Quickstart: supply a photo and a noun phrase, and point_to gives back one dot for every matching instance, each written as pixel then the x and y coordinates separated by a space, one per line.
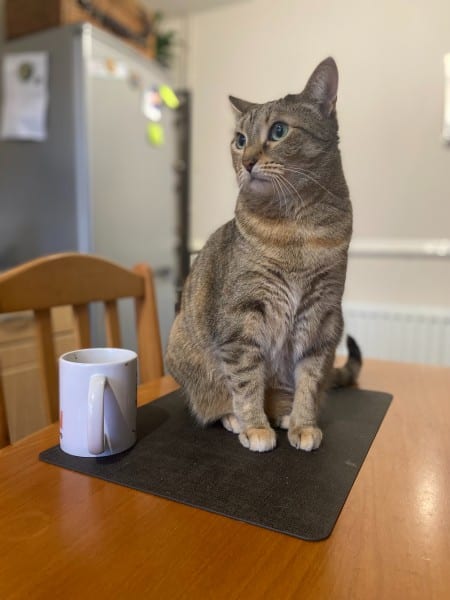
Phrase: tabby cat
pixel 260 318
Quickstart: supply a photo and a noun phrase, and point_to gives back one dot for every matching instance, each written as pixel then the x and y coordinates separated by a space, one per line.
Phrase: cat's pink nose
pixel 249 164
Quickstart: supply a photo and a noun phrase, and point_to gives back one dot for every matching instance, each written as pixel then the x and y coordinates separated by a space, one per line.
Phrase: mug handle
pixel 95 421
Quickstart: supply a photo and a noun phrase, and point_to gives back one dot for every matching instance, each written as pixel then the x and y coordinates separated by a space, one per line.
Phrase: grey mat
pixel 287 490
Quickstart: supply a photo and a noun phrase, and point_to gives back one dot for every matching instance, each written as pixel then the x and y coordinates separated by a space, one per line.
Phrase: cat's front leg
pixel 310 377
pixel 244 369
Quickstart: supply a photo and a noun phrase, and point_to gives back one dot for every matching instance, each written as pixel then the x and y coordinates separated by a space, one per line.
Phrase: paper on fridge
pixel 25 96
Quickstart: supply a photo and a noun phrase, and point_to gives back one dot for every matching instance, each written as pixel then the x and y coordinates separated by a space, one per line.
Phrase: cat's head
pixel 279 147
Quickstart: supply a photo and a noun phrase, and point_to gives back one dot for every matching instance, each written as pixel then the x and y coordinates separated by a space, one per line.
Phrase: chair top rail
pixel 37 284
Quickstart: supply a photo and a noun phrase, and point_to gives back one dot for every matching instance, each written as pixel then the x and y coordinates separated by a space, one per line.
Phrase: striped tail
pixel 348 374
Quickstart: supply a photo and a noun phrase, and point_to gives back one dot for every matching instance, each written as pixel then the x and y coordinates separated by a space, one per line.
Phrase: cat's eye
pixel 278 131
pixel 240 140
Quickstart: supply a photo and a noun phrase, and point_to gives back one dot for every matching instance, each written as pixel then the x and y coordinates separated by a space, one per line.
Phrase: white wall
pixel 390 107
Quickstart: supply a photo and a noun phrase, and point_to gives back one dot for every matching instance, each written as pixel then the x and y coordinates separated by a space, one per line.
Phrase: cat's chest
pixel 278 294
pixel 282 295
pixel 281 301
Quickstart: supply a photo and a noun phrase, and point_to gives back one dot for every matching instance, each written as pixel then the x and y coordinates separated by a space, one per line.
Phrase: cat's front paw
pixel 259 439
pixel 305 438
pixel 231 423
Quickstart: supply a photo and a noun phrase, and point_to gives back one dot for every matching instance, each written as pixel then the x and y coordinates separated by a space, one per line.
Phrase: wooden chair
pixel 78 279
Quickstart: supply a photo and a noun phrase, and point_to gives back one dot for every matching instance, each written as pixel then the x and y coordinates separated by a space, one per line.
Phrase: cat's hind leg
pixel 207 393
pixel 199 375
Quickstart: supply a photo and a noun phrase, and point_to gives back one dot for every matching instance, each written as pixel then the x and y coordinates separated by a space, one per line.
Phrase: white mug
pixel 97 401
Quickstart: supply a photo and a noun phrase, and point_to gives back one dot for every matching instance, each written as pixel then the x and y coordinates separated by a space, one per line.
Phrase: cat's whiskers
pixel 275 191
pixel 311 178
pixel 274 172
pixel 278 192
pixel 287 182
pixel 283 189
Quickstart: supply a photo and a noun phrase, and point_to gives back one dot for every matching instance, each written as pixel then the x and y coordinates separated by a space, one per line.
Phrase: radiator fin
pixel 400 333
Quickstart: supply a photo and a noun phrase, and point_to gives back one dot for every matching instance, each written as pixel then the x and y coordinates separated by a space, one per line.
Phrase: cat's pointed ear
pixel 240 106
pixel 322 86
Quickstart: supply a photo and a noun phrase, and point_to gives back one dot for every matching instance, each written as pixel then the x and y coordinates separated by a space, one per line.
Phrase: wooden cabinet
pixel 19 367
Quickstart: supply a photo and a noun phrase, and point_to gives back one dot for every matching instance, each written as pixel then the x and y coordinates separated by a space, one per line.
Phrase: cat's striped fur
pixel 260 319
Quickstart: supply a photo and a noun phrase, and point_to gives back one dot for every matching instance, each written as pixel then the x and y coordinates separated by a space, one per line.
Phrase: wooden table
pixel 65 535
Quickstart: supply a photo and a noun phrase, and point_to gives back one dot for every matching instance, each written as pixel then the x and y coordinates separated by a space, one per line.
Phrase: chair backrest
pixel 77 280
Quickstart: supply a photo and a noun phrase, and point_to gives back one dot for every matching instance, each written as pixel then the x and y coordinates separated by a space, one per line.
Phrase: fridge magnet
pixel 117 69
pixel 155 134
pixel 169 97
pixel 153 101
pixel 101 68
pixel 152 104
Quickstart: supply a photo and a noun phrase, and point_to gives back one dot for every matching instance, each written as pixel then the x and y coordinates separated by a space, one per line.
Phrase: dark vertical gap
pixel 182 168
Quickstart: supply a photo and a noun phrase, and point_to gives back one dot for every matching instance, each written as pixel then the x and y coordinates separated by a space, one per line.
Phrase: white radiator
pixel 401 333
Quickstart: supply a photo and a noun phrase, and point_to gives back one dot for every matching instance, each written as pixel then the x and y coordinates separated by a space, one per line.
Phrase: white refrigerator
pixel 97 183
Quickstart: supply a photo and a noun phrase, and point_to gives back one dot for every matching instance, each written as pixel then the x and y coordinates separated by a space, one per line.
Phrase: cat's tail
pixel 348 374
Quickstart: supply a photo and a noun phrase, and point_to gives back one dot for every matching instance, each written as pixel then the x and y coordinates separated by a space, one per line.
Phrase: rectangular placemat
pixel 287 490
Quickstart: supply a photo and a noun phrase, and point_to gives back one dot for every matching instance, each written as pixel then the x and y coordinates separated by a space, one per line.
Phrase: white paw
pixel 231 423
pixel 305 438
pixel 258 439
pixel 284 422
